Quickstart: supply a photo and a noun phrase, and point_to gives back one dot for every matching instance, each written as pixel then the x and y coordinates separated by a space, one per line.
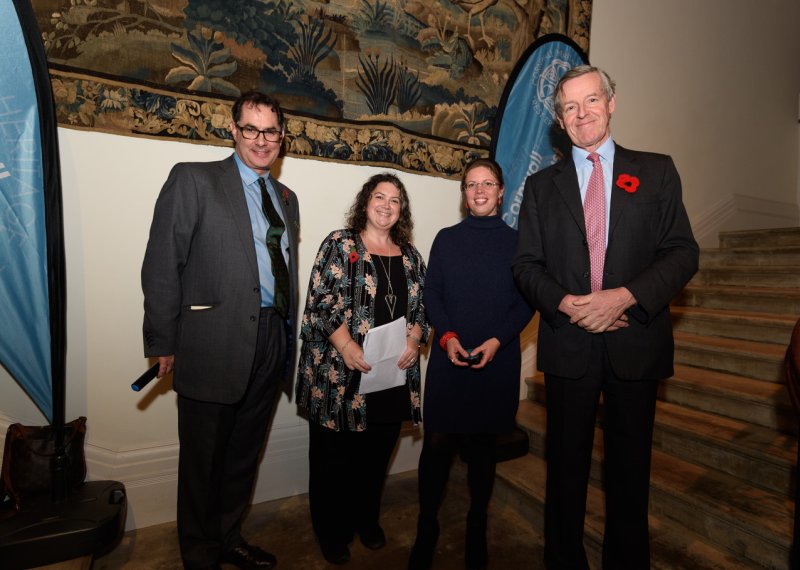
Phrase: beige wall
pixel 110 185
pixel 714 83
pixel 688 86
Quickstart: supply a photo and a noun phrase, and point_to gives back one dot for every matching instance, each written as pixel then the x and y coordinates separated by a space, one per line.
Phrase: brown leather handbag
pixel 27 454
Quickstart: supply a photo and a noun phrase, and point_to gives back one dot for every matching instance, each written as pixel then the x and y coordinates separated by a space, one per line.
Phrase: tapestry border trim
pixel 95 102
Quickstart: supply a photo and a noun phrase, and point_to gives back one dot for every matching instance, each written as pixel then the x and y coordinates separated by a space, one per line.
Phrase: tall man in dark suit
pixel 604 245
pixel 220 287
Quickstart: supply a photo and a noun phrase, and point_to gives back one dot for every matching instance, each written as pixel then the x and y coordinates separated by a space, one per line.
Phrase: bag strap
pixel 75 427
pixel 5 485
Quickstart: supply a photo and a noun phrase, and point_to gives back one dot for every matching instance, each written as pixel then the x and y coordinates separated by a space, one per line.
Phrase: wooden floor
pixel 283 527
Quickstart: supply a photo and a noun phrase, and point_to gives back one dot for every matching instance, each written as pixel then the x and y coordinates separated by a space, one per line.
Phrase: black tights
pixel 436 458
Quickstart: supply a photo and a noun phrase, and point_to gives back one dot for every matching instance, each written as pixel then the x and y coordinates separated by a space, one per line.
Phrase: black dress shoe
pixel 334 552
pixel 248 556
pixel 373 538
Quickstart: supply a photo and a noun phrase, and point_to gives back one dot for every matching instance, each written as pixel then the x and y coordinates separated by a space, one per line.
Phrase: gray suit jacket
pixel 200 280
pixel 651 251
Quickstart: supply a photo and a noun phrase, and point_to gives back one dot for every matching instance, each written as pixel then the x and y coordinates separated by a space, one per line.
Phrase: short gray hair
pixel 609 86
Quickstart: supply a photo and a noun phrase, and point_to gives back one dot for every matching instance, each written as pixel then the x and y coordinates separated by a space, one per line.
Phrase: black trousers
pixel 628 416
pixel 220 448
pixel 347 471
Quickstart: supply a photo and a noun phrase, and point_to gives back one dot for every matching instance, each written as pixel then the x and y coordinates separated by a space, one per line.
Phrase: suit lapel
pixel 567 183
pixel 624 163
pixel 231 184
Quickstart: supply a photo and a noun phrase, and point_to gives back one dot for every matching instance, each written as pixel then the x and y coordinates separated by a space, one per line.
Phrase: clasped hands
pixel 486 349
pixel 599 311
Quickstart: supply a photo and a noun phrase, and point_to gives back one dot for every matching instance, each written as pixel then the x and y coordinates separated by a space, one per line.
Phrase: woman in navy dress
pixel 477 312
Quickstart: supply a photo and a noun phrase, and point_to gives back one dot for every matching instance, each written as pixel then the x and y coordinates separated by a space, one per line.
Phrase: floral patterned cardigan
pixel 342 288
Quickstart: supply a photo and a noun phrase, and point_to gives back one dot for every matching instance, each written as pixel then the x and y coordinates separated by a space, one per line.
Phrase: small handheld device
pixel 470 359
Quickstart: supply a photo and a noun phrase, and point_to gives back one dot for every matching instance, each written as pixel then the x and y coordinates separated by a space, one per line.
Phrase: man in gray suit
pixel 220 288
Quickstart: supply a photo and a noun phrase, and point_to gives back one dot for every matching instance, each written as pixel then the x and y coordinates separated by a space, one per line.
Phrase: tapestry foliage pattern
pixel 411 84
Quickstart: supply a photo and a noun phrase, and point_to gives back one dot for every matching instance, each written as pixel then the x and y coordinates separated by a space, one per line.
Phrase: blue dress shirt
pixel 260 225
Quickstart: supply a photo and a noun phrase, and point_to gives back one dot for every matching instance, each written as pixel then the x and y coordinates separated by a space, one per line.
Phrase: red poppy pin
pixel 353 255
pixel 285 196
pixel 628 183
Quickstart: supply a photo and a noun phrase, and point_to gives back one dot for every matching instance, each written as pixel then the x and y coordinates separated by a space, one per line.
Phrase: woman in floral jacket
pixel 364 276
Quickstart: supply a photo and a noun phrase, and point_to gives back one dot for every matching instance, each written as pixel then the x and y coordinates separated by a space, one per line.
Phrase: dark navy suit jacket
pixel 651 251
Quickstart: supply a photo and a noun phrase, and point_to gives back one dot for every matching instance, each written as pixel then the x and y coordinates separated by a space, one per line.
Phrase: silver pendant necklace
pixel 390 297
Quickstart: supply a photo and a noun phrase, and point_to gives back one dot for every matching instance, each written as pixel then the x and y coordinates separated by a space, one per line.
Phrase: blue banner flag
pixel 524 139
pixel 25 349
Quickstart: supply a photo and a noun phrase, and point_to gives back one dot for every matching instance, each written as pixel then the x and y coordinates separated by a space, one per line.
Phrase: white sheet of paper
pixel 383 347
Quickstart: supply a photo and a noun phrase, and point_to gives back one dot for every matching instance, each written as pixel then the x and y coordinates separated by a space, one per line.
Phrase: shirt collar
pixel 248 175
pixel 605 150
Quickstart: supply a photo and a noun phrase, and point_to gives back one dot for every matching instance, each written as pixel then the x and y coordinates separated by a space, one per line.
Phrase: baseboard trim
pixel 150 474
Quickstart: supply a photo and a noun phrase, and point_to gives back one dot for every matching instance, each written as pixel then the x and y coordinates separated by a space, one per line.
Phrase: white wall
pixel 687 85
pixel 714 83
pixel 110 184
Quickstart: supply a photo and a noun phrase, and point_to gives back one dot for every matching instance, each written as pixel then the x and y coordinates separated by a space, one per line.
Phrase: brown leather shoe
pixel 249 556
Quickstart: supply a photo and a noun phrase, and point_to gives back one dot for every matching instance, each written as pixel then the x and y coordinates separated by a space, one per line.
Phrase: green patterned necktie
pixel 274 233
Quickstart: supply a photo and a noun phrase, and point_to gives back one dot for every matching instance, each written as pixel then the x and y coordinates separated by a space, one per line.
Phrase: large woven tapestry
pixel 411 84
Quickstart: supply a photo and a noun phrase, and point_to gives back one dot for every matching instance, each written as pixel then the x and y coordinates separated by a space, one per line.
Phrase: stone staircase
pixel 725 443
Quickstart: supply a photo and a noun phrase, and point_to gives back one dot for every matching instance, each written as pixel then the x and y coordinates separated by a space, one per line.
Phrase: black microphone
pixel 145 378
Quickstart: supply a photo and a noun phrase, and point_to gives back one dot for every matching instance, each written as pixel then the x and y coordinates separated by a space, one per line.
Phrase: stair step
pixel 525 478
pixel 742 449
pixel 535 389
pixel 772 237
pixel 522 481
pixel 746 521
pixel 762 327
pixel 784 301
pixel 757 360
pixel 751 256
pixel 745 276
pixel 749 452
pixel 766 404
pixel 749 523
pixel 532 417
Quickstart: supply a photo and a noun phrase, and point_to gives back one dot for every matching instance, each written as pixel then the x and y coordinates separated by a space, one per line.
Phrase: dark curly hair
pixel 257 98
pixel 357 216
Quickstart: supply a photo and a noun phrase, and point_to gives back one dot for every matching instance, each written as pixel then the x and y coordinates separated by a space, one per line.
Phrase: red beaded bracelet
pixel 445 337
